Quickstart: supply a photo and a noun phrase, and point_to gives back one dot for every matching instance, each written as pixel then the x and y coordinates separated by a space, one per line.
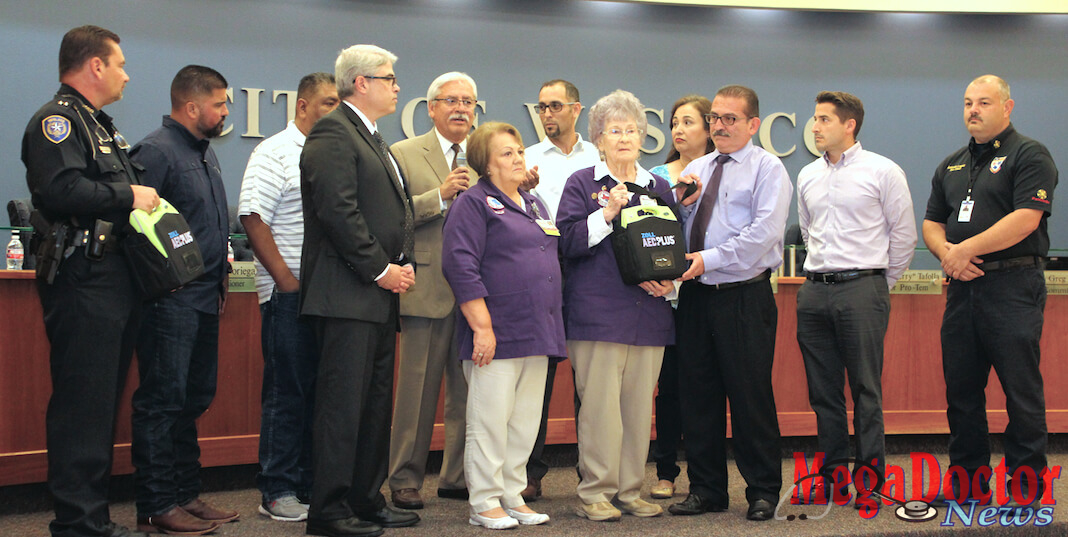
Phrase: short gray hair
pixel 452 76
pixel 618 105
pixel 1003 87
pixel 358 60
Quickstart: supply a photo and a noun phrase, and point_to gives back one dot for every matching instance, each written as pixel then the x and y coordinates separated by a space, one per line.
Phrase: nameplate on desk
pixel 919 282
pixel 1057 282
pixel 243 278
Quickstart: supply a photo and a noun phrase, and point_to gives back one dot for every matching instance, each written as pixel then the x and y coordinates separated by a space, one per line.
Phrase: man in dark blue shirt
pixel 178 347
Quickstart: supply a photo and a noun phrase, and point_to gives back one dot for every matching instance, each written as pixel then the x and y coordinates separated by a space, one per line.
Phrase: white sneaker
pixel 502 523
pixel 285 509
pixel 529 519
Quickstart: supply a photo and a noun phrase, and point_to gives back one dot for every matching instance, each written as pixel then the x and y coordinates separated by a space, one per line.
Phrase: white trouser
pixel 503 414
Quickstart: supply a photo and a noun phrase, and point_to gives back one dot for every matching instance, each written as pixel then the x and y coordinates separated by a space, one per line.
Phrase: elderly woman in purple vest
pixel 616 332
pixel 499 255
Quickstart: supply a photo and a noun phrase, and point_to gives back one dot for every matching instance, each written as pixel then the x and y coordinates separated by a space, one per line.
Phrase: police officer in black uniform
pixel 81 181
pixel 986 222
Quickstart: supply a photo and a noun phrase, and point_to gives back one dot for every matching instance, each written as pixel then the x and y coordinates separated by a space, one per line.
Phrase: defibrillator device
pixel 647 240
pixel 161 250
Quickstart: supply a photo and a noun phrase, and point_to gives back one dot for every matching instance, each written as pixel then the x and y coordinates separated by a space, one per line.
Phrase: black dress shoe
pixel 696 505
pixel 388 517
pixel 115 530
pixel 345 527
pixel 453 494
pixel 760 510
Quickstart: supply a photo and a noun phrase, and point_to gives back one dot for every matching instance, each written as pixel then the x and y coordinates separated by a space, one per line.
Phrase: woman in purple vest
pixel 616 332
pixel 499 255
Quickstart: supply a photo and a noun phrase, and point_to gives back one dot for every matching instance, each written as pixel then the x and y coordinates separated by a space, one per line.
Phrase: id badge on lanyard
pixel 965 213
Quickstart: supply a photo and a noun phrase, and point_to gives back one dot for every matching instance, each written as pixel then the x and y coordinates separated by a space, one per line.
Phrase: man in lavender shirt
pixel 727 314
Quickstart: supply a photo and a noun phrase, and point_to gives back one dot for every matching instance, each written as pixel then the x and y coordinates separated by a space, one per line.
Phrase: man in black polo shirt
pixel 986 222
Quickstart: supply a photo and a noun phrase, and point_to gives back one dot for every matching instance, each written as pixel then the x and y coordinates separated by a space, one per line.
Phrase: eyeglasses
pixel 453 101
pixel 555 106
pixel 390 79
pixel 727 120
pixel 619 133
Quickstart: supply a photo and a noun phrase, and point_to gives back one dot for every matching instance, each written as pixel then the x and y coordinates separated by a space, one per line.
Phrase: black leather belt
pixel 843 276
pixel 1015 262
pixel 759 278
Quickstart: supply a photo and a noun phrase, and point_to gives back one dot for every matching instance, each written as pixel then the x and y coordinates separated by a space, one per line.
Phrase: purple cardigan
pixel 598 306
pixel 492 249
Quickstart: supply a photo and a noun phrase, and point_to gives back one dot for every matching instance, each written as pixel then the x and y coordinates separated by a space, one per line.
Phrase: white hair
pixel 358 60
pixel 618 105
pixel 453 76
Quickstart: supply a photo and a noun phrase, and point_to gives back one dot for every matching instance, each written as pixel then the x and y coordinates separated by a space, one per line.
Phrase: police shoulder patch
pixel 56 128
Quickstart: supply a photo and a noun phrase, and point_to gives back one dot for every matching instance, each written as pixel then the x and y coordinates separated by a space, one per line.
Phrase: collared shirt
pixel 745 235
pixel 271 189
pixel 856 214
pixel 1007 173
pixel 185 172
pixel 74 169
pixel 446 149
pixel 554 167
pixel 373 128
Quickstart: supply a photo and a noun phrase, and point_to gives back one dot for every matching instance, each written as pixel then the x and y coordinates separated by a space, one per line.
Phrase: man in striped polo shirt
pixel 271 211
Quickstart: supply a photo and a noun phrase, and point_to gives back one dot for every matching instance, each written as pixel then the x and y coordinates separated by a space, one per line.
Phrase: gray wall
pixel 910 70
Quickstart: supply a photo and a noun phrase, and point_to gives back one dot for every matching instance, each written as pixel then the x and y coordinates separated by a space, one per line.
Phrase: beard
pixel 216 131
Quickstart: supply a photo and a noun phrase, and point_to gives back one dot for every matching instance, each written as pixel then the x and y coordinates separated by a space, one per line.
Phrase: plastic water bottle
pixel 15 252
pixel 229 250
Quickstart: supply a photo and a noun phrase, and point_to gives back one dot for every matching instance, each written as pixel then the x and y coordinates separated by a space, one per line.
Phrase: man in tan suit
pixel 428 310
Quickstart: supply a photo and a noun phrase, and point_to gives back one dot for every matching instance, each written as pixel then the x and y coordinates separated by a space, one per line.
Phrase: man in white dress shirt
pixel 856 218
pixel 551 161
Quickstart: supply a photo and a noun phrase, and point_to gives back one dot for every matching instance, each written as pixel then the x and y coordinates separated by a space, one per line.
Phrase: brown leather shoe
pixel 175 522
pixel 407 499
pixel 533 490
pixel 200 509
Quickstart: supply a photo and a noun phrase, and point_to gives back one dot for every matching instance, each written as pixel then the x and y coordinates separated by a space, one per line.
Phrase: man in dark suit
pixel 358 240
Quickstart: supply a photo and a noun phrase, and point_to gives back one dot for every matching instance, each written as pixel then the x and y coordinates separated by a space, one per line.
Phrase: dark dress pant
pixel 840 329
pixel 91 315
pixel 668 417
pixel 353 403
pixel 995 321
pixel 726 346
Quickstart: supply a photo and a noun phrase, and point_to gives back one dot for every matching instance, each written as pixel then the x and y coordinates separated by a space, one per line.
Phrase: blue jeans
pixel 290 362
pixel 177 357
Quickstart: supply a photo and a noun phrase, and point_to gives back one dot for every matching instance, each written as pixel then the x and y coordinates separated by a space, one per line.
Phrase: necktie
pixel 455 153
pixel 408 247
pixel 708 202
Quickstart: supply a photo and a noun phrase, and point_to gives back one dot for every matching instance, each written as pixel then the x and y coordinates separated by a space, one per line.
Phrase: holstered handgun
pixel 53 242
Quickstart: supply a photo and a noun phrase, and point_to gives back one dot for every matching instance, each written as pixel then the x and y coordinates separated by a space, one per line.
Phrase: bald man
pixel 986 223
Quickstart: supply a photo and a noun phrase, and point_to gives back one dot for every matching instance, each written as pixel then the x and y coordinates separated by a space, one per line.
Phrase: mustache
pixel 720 132
pixel 460 116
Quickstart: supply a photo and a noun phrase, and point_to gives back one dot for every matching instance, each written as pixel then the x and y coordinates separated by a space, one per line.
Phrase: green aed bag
pixel 647 241
pixel 160 248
